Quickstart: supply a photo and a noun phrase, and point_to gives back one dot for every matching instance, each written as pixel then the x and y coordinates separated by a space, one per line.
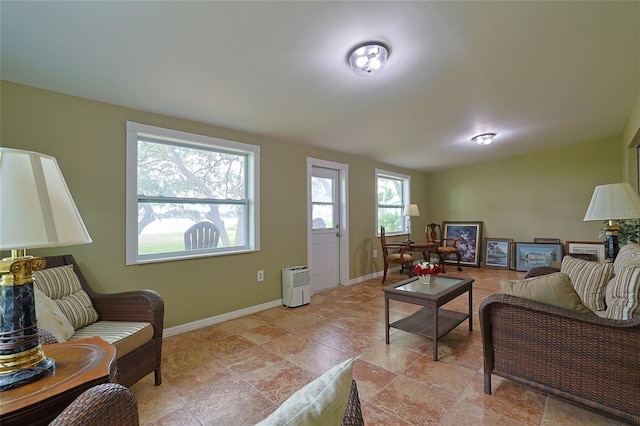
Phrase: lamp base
pixel 20 378
pixel 611 248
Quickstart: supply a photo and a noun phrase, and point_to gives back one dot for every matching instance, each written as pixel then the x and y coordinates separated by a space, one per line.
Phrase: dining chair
pixel 400 257
pixel 443 247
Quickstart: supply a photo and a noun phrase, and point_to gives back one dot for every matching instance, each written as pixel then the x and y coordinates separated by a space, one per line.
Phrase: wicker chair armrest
pixel 538 308
pixel 45 337
pixel 102 405
pixel 353 414
pixel 136 305
pixel 538 271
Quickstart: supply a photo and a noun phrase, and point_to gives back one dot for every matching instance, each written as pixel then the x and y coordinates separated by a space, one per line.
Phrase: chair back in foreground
pixel 109 404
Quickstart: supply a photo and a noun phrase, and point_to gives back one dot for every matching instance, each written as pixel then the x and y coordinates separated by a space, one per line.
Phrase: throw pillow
pixel 51 318
pixel 62 285
pixel 629 255
pixel 553 289
pixel 589 279
pixel 321 402
pixel 623 294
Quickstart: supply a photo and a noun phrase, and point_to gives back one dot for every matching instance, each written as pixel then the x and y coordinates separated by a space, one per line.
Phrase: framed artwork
pixel 594 248
pixel 512 254
pixel 547 240
pixel 529 255
pixel 497 253
pixel 469 235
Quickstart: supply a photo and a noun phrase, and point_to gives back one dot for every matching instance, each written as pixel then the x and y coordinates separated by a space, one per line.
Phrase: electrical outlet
pixel 260 275
pixel 375 253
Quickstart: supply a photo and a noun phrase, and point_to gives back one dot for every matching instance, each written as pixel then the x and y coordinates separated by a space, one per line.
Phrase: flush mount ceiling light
pixel 368 58
pixel 484 139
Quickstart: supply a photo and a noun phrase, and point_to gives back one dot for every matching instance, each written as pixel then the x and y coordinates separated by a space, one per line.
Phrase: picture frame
pixel 594 248
pixel 512 262
pixel 497 253
pixel 469 235
pixel 547 240
pixel 529 255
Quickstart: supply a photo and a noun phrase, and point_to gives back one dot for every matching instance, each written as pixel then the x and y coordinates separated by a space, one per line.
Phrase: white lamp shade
pixel 411 210
pixel 36 207
pixel 614 201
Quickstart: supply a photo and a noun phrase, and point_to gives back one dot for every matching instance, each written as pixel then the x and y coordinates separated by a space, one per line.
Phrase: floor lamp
pixel 409 211
pixel 613 202
pixel 36 210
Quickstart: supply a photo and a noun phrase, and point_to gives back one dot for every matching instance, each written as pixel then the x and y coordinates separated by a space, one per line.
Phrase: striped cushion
pixel 623 294
pixel 629 255
pixel 62 285
pixel 125 336
pixel 589 279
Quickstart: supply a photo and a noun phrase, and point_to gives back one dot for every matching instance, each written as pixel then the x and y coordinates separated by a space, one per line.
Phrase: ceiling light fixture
pixel 484 139
pixel 368 58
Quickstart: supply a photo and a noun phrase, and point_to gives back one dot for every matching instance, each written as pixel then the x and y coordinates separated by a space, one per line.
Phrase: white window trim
pixel 134 130
pixel 406 195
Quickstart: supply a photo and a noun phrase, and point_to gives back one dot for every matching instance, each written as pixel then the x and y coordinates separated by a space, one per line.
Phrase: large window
pixel 176 180
pixel 393 194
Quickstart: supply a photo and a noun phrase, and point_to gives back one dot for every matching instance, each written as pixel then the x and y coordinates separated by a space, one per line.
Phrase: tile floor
pixel 239 371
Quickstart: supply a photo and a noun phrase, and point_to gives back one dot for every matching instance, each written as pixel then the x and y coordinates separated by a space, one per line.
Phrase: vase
pixel 425 279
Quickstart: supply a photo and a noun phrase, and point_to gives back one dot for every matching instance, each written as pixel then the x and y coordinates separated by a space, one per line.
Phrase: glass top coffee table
pixel 431 321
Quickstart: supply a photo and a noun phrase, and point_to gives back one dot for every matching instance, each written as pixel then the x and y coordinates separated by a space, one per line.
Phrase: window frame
pixel 136 131
pixel 406 197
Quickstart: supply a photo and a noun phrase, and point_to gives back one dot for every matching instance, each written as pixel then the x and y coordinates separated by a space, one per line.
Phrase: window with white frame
pixel 393 191
pixel 176 180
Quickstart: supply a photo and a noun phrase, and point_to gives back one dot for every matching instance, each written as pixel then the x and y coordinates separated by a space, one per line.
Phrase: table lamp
pixel 36 210
pixel 613 202
pixel 410 210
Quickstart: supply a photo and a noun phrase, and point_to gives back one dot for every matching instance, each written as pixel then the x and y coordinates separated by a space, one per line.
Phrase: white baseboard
pixel 183 328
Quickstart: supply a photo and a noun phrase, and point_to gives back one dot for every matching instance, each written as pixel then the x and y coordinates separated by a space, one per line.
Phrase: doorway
pixel 327 236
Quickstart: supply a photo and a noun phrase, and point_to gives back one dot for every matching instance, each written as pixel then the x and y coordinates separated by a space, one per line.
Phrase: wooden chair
pixel 401 258
pixel 202 235
pixel 443 247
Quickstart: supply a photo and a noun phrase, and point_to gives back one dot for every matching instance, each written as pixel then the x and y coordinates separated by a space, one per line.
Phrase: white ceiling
pixel 540 74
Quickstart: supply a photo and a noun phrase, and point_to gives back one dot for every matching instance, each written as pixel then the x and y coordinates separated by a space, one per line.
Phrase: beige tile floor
pixel 239 371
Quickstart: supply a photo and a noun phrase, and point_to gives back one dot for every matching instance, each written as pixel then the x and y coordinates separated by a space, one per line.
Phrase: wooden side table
pixel 80 364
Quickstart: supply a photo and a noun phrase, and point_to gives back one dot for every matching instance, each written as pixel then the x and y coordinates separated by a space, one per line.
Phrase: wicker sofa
pixel 579 356
pixel 138 351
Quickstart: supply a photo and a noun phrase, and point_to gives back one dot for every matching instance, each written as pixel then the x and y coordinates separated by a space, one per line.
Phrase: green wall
pixel 542 194
pixel 88 140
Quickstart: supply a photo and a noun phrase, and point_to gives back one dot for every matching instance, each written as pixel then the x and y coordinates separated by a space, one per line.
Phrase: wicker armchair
pixel 109 404
pixel 137 306
pixel 577 356
pixel 353 415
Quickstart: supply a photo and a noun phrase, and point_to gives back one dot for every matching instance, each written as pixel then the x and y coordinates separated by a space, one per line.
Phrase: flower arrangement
pixel 427 268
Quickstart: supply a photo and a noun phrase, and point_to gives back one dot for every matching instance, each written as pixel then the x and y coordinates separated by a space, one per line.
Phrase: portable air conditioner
pixel 296 286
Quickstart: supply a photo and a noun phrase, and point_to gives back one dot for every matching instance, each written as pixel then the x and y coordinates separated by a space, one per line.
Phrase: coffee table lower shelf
pixel 421 322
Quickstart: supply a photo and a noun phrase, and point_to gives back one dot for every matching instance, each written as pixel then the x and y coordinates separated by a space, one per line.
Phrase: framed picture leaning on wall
pixel 469 235
pixel 529 255
pixel 497 252
pixel 594 248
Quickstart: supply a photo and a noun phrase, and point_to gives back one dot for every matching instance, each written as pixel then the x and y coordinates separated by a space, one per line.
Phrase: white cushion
pixel 322 402
pixel 51 318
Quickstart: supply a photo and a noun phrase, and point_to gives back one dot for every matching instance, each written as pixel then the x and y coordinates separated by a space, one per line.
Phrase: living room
pixel 543 192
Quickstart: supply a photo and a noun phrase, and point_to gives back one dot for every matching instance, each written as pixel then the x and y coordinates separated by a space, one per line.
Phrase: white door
pixel 325 228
